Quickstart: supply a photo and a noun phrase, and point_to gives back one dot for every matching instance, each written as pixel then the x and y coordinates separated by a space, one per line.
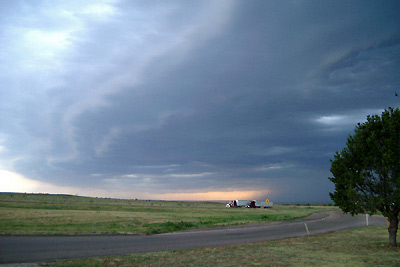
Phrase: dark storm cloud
pixel 172 97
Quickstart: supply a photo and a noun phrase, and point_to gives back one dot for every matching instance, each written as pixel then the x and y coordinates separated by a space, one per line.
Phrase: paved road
pixel 20 249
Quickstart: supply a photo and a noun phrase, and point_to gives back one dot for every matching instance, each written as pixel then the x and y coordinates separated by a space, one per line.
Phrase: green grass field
pixel 62 214
pixel 70 215
pixel 365 246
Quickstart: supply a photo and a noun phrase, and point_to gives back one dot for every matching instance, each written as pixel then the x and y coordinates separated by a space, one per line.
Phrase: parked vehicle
pixel 236 204
pixel 249 204
pixel 252 204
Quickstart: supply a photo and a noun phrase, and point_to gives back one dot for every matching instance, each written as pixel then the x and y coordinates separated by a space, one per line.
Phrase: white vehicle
pixel 237 204
pixel 267 204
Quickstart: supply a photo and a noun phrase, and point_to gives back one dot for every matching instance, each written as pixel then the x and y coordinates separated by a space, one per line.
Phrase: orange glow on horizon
pixel 217 195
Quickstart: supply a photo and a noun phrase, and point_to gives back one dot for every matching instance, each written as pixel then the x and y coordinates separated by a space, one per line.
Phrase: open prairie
pixel 71 215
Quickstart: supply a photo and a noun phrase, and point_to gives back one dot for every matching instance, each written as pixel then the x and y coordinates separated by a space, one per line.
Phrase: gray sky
pixel 189 99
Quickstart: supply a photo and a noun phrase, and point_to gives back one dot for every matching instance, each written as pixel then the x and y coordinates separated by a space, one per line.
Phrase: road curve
pixel 20 249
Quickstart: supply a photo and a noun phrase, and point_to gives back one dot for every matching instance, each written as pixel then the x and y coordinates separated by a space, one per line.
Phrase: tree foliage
pixel 366 173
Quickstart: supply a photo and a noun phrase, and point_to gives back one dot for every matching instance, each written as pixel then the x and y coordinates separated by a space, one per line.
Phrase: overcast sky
pixel 189 99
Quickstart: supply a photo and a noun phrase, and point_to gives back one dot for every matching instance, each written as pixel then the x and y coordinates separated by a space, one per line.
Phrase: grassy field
pixel 63 214
pixel 366 246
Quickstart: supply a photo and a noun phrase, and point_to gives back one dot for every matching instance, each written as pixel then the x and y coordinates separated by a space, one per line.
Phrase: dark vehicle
pixel 252 204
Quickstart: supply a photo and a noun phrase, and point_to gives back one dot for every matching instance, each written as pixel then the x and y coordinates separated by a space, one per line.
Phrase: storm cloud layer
pixel 178 99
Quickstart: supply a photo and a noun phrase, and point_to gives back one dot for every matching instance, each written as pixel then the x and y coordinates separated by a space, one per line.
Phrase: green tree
pixel 366 173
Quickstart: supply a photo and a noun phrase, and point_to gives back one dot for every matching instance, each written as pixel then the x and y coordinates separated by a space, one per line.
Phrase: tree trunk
pixel 393 225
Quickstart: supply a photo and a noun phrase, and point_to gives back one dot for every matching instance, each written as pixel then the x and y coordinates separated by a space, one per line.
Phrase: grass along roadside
pixel 63 214
pixel 365 246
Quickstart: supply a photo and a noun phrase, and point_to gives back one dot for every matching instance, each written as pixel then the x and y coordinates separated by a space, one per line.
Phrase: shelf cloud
pixel 185 100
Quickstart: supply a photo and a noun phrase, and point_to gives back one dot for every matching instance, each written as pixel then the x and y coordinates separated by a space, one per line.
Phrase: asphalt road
pixel 20 249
